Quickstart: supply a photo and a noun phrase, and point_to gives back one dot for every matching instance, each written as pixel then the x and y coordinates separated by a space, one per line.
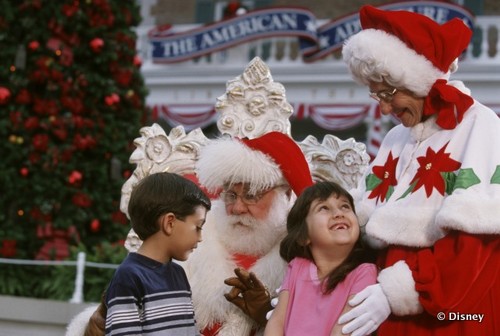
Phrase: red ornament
pixel 40 142
pixel 70 10
pixel 66 57
pixel 59 129
pixel 74 104
pixel 8 249
pixel 34 45
pixel 75 177
pixel 137 61
pixel 82 80
pixel 15 117
pixel 24 171
pixel 84 142
pixel 55 45
pixel 123 77
pixel 96 45
pixel 81 200
pixel 4 95
pixel 31 123
pixel 23 97
pixel 95 225
pixel 119 217
pixel 112 99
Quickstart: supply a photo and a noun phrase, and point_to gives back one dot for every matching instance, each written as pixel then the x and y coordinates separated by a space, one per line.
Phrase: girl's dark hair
pixel 161 193
pixel 294 243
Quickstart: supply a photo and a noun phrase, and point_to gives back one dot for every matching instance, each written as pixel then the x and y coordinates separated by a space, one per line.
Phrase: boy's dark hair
pixel 161 193
pixel 294 244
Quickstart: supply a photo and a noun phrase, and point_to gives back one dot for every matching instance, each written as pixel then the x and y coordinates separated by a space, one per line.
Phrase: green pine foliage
pixel 72 100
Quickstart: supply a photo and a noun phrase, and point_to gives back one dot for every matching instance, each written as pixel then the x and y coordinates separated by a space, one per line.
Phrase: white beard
pixel 212 262
pixel 246 235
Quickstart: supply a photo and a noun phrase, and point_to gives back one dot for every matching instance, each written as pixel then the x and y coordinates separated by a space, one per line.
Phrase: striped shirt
pixel 146 297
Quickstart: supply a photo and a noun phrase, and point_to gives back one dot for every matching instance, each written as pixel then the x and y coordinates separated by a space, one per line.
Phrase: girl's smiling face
pixel 332 222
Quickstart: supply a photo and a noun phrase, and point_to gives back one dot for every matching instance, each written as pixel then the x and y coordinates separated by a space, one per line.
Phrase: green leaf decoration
pixel 409 190
pixel 449 180
pixel 466 178
pixel 495 179
pixel 372 181
pixel 389 193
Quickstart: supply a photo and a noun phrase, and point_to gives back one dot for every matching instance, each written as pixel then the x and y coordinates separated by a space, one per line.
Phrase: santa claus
pixel 259 179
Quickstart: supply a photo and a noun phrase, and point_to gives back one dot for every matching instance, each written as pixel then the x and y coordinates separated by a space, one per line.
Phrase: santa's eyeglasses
pixel 229 197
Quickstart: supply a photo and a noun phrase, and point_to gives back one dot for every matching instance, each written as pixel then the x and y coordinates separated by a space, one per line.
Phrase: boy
pixel 149 293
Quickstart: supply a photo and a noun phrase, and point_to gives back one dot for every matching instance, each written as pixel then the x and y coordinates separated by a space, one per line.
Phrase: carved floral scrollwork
pixel 342 161
pixel 156 152
pixel 253 104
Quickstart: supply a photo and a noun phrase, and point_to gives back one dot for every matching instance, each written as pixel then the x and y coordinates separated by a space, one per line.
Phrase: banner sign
pixel 315 42
pixel 271 22
pixel 332 35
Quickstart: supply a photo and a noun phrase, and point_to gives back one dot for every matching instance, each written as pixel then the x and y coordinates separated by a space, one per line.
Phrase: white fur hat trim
pixel 387 55
pixel 225 162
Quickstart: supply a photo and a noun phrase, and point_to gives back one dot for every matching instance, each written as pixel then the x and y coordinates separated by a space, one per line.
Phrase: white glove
pixel 371 309
pixel 274 303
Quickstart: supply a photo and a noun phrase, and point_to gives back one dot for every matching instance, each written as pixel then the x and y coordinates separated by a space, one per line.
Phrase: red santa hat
pixel 263 162
pixel 409 47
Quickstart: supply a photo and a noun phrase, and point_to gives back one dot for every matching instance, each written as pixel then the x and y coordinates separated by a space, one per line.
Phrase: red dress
pixel 458 278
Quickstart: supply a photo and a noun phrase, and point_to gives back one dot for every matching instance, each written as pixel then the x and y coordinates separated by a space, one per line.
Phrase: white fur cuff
pixel 470 212
pixel 78 324
pixel 399 287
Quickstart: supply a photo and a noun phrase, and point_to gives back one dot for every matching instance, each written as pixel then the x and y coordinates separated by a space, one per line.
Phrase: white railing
pixel 80 264
pixel 485 48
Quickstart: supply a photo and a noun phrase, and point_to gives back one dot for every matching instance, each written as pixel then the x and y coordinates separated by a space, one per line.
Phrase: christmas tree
pixel 71 103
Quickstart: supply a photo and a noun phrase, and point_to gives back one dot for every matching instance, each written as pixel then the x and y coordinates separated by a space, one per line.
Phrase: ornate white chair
pixel 252 105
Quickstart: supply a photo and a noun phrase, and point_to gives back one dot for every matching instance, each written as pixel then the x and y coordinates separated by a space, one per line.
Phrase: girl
pixel 327 263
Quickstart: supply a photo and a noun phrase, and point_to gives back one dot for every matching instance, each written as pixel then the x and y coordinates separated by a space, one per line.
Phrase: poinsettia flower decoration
pixel 432 168
pixel 383 179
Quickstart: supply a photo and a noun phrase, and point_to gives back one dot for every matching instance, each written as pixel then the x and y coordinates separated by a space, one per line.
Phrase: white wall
pixel 21 316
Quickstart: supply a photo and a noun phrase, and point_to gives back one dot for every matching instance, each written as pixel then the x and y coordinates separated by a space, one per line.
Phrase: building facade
pixel 324 97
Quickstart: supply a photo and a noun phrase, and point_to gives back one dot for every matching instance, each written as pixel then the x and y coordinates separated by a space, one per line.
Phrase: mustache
pixel 245 220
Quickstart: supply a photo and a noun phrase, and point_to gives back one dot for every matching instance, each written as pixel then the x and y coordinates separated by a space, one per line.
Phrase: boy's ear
pixel 167 223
